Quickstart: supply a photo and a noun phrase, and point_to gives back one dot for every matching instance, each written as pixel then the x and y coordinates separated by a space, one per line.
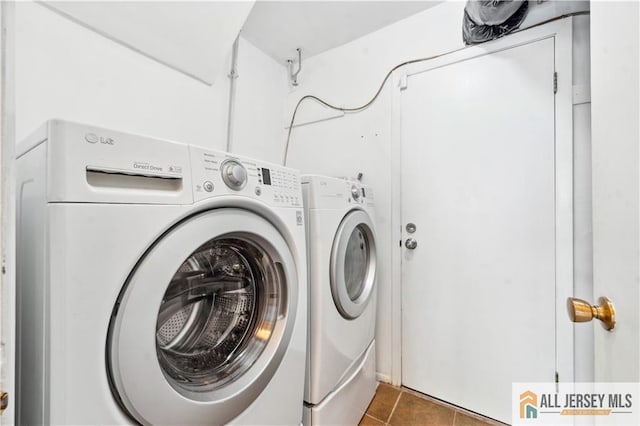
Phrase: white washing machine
pixel 340 380
pixel 158 283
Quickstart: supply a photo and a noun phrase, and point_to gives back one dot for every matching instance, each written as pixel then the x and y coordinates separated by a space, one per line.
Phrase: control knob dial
pixel 234 174
pixel 355 192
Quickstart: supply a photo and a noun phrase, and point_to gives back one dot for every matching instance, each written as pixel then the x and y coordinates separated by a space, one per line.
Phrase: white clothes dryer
pixel 158 283
pixel 340 380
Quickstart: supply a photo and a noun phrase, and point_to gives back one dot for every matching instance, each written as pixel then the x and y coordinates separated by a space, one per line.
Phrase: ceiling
pixel 176 34
pixel 279 27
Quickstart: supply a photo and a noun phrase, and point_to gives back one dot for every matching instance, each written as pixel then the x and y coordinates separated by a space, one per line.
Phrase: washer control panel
pixel 217 173
pixel 359 193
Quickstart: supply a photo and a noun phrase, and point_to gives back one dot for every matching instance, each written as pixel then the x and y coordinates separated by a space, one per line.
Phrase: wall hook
pixel 293 76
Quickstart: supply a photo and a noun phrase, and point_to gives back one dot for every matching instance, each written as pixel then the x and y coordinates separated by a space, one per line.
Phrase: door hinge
pixel 555 82
pixel 557 377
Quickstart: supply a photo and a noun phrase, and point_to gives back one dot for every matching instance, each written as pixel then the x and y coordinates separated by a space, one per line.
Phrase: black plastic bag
pixel 488 20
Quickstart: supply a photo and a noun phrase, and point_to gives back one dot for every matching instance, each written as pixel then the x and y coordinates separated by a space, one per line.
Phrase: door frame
pixel 7 206
pixel 562 33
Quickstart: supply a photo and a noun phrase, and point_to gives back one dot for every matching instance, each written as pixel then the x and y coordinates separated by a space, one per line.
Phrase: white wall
pixel 261 89
pixel 193 37
pixel 64 70
pixel 349 76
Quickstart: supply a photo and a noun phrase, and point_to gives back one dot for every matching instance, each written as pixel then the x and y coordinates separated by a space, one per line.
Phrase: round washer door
pixel 353 264
pixel 204 320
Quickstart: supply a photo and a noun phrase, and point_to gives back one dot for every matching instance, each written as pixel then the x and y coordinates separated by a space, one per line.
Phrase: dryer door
pixel 203 321
pixel 353 264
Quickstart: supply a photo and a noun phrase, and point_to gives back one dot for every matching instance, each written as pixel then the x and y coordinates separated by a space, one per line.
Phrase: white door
pixel 203 321
pixel 616 186
pixel 479 186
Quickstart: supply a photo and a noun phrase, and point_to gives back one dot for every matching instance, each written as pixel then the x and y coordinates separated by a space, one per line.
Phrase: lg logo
pixel 93 138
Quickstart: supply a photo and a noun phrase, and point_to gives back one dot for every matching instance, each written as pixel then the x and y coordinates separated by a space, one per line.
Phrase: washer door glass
pixel 204 320
pixel 356 262
pixel 353 264
pixel 217 314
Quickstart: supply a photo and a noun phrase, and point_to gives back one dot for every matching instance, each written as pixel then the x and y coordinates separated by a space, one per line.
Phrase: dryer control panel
pixel 216 173
pixel 329 192
pixel 357 192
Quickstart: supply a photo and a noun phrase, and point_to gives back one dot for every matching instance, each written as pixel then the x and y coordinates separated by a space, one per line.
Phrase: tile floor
pixel 394 406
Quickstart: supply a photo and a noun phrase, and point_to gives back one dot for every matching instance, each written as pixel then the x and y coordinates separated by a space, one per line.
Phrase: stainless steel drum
pixel 217 314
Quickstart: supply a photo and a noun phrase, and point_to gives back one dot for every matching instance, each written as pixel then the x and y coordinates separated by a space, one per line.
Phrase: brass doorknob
pixel 582 311
pixel 4 401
